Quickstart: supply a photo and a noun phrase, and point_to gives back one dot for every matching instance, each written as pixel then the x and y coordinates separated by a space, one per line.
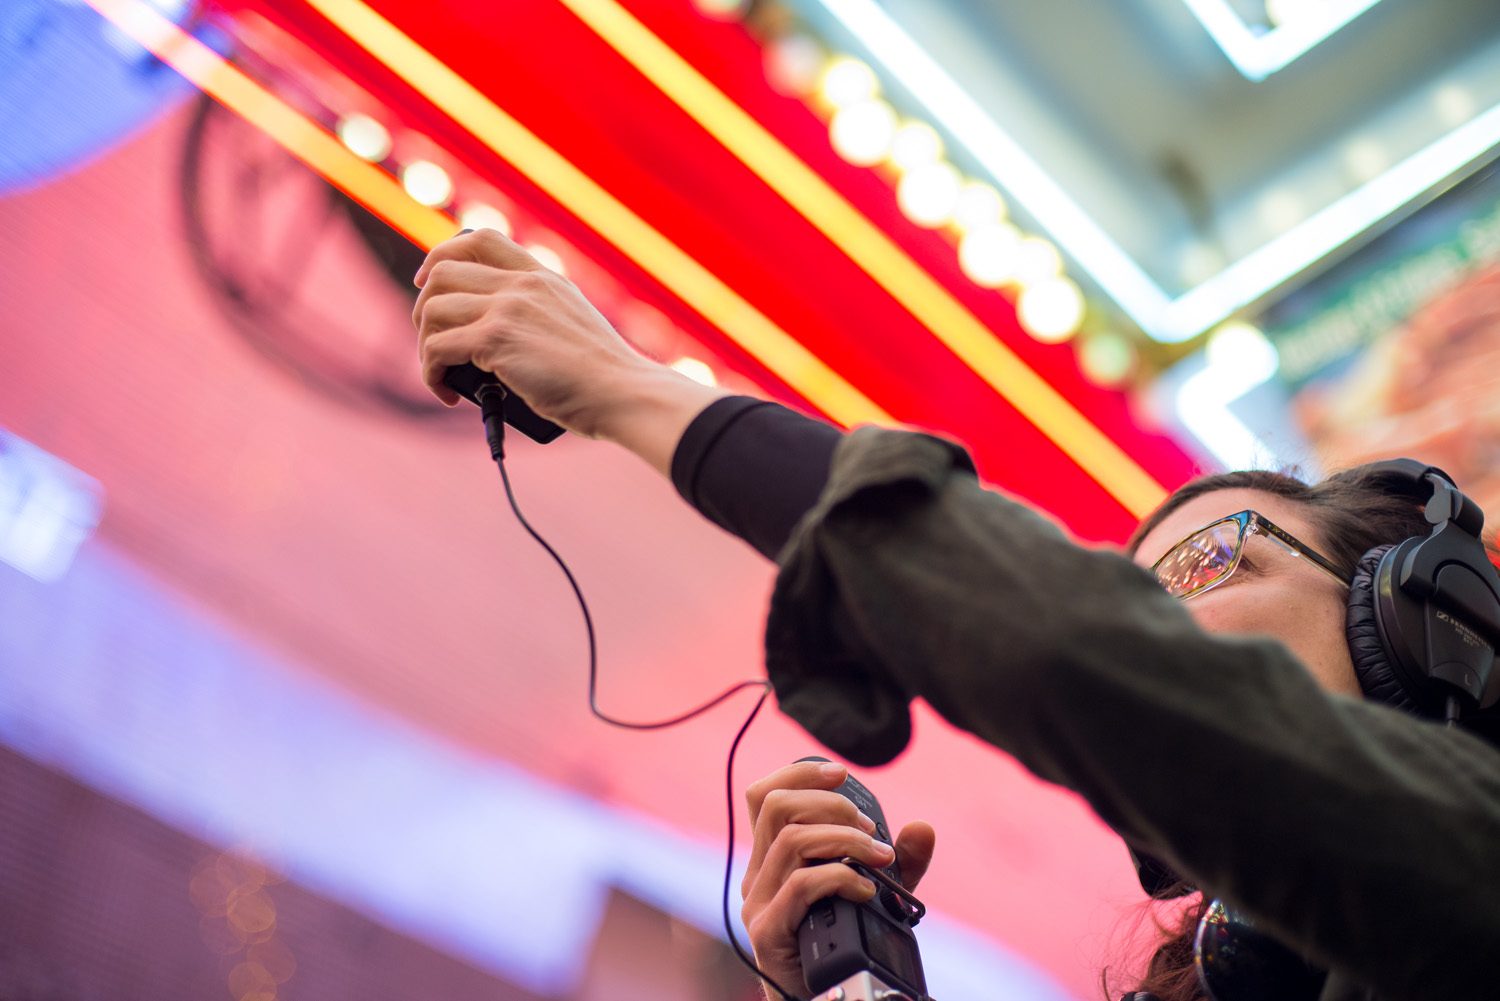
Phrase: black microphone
pixel 476 385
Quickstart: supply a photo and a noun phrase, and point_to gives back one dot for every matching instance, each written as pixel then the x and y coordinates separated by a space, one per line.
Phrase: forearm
pixel 750 466
pixel 647 410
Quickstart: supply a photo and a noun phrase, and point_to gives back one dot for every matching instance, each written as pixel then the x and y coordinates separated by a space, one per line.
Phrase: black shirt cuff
pixel 754 468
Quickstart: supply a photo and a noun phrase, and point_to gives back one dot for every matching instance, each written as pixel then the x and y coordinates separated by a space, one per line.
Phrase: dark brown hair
pixel 1352 512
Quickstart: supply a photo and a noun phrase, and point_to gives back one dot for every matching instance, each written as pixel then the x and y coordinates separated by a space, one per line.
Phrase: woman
pixel 1222 735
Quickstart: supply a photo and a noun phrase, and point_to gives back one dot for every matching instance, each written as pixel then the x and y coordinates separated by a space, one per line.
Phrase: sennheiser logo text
pixel 1466 634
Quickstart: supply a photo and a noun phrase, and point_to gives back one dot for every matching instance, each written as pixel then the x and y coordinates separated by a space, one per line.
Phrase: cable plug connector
pixel 491 397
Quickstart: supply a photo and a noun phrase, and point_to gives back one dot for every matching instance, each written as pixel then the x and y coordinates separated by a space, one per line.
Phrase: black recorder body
pixel 840 939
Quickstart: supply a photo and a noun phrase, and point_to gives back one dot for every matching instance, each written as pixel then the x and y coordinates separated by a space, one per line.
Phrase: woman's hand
pixel 487 301
pixel 796 818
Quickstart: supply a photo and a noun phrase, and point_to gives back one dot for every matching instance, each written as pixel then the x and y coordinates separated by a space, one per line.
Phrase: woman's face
pixel 1271 593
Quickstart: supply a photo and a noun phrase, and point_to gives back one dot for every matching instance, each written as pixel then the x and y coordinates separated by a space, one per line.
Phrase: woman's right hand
pixel 487 302
pixel 797 818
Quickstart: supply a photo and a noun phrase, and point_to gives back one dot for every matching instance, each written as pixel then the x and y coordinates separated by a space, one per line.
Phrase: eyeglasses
pixel 1205 559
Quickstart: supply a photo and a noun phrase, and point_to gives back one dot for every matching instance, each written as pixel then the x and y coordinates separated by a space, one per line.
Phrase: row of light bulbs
pixel 993 252
pixel 430 184
pixel 866 131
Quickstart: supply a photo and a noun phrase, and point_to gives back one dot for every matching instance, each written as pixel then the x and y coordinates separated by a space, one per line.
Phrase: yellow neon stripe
pixel 869 247
pixel 303 138
pixel 659 257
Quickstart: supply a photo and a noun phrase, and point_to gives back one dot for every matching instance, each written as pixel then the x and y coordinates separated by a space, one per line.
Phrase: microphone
pixel 477 386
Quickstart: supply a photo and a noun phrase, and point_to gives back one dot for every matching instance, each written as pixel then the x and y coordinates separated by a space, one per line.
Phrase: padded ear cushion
pixel 1372 659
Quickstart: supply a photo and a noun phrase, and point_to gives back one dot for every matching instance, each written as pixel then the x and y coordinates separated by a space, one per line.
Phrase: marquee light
pixel 306 140
pixel 1162 317
pixel 678 272
pixel 869 247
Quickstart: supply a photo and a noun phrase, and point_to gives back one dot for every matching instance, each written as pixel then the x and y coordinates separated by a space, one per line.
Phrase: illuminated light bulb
pixel 848 81
pixel 478 215
pixel 979 205
pixel 722 10
pixel 1455 105
pixel 547 257
pixel 916 144
pixel 1241 348
pixel 793 64
pixel 1051 310
pixel 862 133
pixel 1037 261
pixel 1366 159
pixel 1107 359
pixel 988 254
pixel 928 194
pixel 427 183
pixel 696 370
pixel 365 137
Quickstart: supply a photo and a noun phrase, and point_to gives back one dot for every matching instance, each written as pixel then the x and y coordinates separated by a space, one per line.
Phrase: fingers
pixel 455 276
pixel 482 246
pixel 799 844
pixel 442 351
pixel 914 847
pixel 800 775
pixel 774 927
pixel 784 808
pixel 456 309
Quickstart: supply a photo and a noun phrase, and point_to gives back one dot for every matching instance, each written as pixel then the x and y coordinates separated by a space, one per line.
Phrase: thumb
pixel 914 847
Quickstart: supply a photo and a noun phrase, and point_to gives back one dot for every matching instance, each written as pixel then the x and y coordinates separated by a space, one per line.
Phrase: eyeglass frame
pixel 1250 522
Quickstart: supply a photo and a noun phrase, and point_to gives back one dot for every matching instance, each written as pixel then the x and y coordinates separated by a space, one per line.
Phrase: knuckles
pixel 442 272
pixel 490 242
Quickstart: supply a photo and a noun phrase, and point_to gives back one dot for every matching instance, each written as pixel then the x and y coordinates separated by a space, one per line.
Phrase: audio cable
pixel 491 398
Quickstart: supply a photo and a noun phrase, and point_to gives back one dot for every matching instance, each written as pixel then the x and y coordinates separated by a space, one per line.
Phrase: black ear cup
pixel 1373 667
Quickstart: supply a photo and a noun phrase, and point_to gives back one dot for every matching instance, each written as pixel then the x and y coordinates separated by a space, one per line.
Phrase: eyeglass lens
pixel 1200 560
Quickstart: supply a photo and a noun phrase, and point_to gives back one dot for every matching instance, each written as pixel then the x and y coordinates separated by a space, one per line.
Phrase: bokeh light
pixel 862 133
pixel 1106 358
pixel 698 371
pixel 1242 348
pixel 480 215
pixel 916 144
pixel 793 64
pixel 988 255
pixel 928 194
pixel 1037 261
pixel 365 137
pixel 427 183
pixel 1051 311
pixel 547 257
pixel 979 205
pixel 847 81
pixel 1455 104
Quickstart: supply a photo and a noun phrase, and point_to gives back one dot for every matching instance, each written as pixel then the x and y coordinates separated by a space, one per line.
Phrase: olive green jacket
pixel 1365 838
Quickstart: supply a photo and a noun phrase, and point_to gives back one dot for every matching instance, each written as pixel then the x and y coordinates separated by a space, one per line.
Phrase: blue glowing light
pixel 72 88
pixel 47 509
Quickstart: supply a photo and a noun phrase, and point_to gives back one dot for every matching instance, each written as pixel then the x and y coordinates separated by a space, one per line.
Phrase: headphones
pixel 1423 625
pixel 1423 620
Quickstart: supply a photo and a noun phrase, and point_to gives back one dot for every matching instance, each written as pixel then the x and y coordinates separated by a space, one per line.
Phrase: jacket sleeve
pixel 1370 838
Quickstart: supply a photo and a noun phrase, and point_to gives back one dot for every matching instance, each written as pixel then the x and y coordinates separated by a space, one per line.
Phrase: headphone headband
pixel 1444 501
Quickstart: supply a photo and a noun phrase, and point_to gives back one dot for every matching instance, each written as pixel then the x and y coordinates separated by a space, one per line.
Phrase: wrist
pixel 646 410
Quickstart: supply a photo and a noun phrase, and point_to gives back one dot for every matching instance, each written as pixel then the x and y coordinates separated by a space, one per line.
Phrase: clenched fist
pixel 487 301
